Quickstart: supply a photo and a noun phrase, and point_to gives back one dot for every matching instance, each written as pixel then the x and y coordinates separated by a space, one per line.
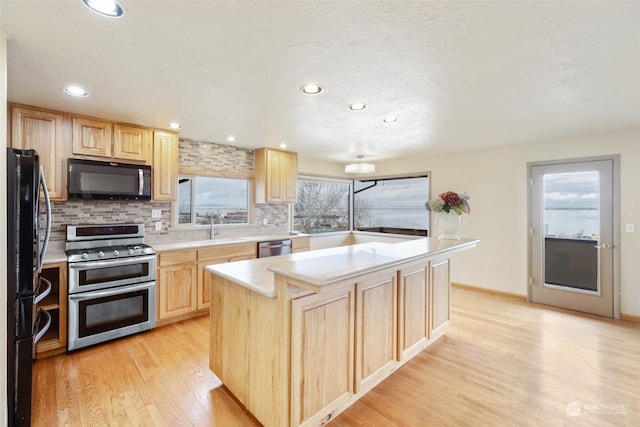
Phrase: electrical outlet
pixel 264 221
pixel 630 228
pixel 159 226
pixel 156 213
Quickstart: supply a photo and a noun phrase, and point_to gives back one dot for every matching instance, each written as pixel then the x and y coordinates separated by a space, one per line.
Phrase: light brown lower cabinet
pixel 182 288
pixel 219 255
pixel 176 284
pixel 322 350
pixel 376 328
pixel 413 309
pixel 440 280
pixel 315 354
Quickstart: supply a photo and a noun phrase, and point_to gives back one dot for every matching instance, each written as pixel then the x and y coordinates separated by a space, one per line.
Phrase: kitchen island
pixel 298 338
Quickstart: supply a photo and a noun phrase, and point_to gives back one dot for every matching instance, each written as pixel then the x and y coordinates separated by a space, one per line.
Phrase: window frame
pixel 207 174
pixel 351 183
pixel 424 174
pixel 329 180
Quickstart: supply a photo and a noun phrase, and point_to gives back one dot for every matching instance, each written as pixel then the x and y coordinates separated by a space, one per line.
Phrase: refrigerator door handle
pixel 42 295
pixel 47 231
pixel 38 333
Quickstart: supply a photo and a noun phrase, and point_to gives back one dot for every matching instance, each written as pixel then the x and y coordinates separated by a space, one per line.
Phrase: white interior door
pixel 572 236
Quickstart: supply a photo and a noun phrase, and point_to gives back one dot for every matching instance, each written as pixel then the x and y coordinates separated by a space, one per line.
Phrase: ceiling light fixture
pixel 357 106
pixel 231 138
pixel 175 125
pixel 360 167
pixel 311 89
pixel 75 91
pixel 108 8
pixel 283 145
pixel 390 119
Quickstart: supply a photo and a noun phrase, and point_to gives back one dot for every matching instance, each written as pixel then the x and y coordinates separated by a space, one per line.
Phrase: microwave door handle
pixel 140 182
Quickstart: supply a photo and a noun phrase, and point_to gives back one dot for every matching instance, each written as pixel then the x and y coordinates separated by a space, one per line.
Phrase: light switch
pixel 264 221
pixel 156 213
pixel 630 228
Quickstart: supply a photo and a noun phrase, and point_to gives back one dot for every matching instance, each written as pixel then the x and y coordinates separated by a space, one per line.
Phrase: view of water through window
pixel 571 205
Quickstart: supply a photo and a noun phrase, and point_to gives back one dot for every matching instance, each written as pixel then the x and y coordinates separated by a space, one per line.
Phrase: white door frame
pixel 615 158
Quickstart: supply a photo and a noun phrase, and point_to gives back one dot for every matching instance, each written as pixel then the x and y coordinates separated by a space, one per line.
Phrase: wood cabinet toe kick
pixel 314 353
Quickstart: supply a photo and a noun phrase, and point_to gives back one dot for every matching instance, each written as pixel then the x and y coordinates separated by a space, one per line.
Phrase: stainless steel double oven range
pixel 112 283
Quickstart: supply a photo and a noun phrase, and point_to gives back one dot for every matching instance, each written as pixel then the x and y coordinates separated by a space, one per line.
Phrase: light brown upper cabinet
pixel 43 131
pixel 165 165
pixel 131 143
pixel 276 175
pixel 99 138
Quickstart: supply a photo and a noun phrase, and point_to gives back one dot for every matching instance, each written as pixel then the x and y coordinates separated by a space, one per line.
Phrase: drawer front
pixel 242 250
pixel 177 257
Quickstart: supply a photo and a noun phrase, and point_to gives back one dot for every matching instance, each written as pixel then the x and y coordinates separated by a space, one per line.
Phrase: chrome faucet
pixel 212 232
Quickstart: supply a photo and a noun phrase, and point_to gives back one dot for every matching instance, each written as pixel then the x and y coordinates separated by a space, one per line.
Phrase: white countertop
pixel 327 266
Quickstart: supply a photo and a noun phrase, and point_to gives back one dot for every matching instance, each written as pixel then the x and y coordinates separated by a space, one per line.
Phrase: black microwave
pixel 90 179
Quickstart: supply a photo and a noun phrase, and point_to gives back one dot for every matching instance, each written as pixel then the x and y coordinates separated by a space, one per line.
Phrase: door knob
pixel 604 246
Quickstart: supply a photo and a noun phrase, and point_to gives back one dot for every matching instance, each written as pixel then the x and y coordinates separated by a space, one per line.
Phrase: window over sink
pixel 203 199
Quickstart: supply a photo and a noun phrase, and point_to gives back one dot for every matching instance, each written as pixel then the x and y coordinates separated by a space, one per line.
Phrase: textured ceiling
pixel 459 75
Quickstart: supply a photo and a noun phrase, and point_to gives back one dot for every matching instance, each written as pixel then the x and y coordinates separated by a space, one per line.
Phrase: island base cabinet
pixel 322 355
pixel 440 295
pixel 375 336
pixel 413 310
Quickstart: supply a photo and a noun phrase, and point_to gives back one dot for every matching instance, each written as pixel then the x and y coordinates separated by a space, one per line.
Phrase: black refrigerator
pixel 26 246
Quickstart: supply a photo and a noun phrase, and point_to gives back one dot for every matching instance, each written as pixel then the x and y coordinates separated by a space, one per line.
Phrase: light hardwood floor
pixel 503 362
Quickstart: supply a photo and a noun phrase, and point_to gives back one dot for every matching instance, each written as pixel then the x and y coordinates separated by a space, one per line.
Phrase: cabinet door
pixel 204 293
pixel 289 177
pixel 376 343
pixel 91 137
pixel 321 354
pixel 301 244
pixel 165 165
pixel 440 295
pixel 275 166
pixel 43 132
pixel 413 315
pixel 176 290
pixel 131 143
pixel 276 174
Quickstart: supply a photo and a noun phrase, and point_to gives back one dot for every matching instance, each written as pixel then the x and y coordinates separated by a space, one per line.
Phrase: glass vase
pixel 448 224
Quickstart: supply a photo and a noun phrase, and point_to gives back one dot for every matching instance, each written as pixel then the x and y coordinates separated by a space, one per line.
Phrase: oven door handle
pixel 86 265
pixel 110 292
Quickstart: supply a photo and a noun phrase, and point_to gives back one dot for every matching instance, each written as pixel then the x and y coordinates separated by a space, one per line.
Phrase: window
pixel 202 199
pixel 322 206
pixel 391 205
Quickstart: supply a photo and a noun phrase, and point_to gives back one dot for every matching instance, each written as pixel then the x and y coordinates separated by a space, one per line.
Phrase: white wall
pixel 3 224
pixel 496 180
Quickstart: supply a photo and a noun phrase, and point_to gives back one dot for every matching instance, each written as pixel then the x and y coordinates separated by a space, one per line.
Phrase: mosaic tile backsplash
pixel 198 154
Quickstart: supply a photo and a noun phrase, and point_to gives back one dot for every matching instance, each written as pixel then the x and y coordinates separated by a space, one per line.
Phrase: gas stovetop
pixel 106 241
pixel 109 252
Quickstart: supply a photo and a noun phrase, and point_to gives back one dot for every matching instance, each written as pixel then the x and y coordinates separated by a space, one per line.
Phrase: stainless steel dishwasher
pixel 274 248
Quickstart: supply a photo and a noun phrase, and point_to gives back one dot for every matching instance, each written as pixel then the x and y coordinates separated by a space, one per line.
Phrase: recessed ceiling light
pixel 283 145
pixel 357 106
pixel 75 91
pixel 175 125
pixel 231 139
pixel 108 8
pixel 390 119
pixel 311 89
